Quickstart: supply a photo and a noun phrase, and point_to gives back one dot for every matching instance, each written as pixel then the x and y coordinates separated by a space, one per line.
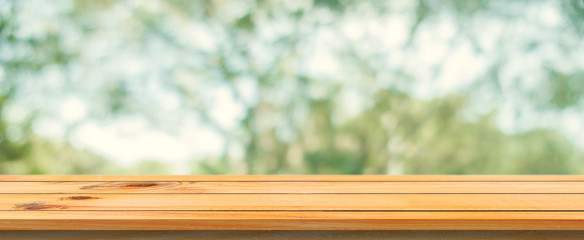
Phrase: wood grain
pixel 296 178
pixel 290 187
pixel 261 220
pixel 296 202
pixel 292 203
pixel 293 235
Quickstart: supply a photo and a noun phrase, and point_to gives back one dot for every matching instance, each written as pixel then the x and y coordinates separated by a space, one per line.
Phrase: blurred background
pixel 292 87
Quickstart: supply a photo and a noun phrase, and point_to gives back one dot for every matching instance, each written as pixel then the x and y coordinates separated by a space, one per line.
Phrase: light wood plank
pixel 283 202
pixel 271 178
pixel 292 235
pixel 291 187
pixel 144 220
pixel 291 202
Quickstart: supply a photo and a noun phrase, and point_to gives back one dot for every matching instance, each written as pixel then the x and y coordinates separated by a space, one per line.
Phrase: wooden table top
pixel 311 202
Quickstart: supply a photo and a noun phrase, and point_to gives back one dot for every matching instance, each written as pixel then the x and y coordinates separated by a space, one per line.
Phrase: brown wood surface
pixel 285 235
pixel 294 202
pixel 290 187
pixel 291 202
pixel 295 178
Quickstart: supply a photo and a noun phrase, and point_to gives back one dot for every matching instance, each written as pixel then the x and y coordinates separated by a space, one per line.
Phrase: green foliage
pixel 567 89
pixel 11 150
pixel 149 167
pixel 366 117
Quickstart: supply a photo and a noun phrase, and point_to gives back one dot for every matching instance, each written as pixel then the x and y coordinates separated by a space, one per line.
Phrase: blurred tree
pixel 11 150
pixel 323 86
pixel 22 152
pixel 149 167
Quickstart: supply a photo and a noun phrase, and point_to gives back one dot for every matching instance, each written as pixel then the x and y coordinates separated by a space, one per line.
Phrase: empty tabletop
pixel 311 202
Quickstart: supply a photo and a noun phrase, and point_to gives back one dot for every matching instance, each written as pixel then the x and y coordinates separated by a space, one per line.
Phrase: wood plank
pixel 292 202
pixel 294 178
pixel 291 187
pixel 293 235
pixel 285 202
pixel 183 220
